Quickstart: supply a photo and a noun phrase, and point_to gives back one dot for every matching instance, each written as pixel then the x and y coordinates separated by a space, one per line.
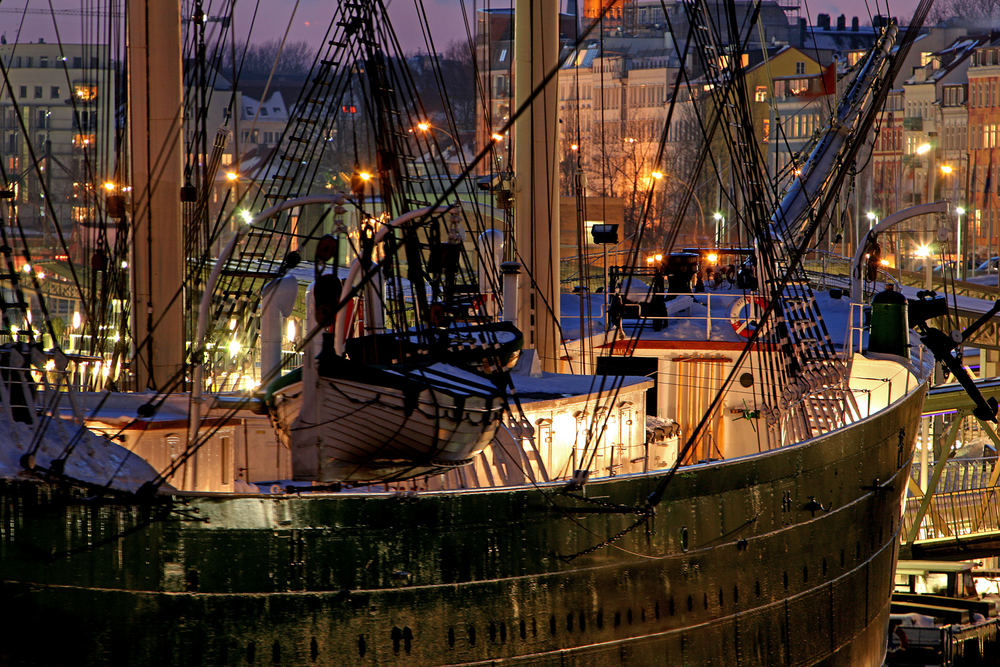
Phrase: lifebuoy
pixel 745 314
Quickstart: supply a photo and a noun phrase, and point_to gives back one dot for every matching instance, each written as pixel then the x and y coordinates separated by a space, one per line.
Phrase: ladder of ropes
pixel 807 382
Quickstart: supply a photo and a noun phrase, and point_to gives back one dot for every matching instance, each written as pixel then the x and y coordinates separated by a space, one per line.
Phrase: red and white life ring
pixel 746 313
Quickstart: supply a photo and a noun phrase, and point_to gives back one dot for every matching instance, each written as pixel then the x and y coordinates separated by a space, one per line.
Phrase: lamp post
pixel 959 212
pixel 719 222
pixel 920 150
pixel 659 175
pixel 425 127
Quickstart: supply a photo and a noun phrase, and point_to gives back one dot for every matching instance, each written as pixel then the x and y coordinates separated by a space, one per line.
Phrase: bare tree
pixel 294 59
pixel 984 14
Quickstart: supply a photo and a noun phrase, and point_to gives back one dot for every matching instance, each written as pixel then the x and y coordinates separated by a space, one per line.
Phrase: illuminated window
pixel 83 140
pixel 796 86
pixel 760 94
pixel 85 92
pixel 767 131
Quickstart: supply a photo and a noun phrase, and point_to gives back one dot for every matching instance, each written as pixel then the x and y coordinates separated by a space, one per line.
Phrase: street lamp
pixel 719 221
pixel 924 252
pixel 425 127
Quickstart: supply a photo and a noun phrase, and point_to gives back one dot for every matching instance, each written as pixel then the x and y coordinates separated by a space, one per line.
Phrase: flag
pixel 989 174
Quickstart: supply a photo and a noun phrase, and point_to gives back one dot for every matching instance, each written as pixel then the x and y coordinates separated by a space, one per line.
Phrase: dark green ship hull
pixel 783 558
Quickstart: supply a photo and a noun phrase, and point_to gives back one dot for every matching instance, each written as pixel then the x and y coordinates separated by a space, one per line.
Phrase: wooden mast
pixel 156 111
pixel 536 178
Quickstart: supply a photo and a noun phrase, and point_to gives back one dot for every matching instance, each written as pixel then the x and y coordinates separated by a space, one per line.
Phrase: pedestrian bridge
pixel 959 517
pixel 962 516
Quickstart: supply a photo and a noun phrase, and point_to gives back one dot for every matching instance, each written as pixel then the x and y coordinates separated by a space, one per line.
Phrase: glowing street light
pixel 946 169
pixel 232 176
pixel 922 149
pixel 658 175
pixel 109 186
pixel 923 250
pixel 497 138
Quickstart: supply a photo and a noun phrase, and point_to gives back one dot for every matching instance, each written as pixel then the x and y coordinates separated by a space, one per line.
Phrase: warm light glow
pixel 872 216
pixel 712 258
pixel 247 216
pixel 26 268
pixel 41 275
pixel 574 147
pixel 946 169
pixel 884 262
pixel 232 323
pixel 923 149
pixel 717 215
pixel 657 175
pixel 234 347
pixel 649 260
pixel 109 186
pixel 960 211
pixel 496 137
pixel 423 126
pixel 50 365
pixel 290 331
pixel 658 257
pixel 923 251
pixel 77 320
pixel 232 176
pixel 798 172
pixel 124 264
pixel 365 176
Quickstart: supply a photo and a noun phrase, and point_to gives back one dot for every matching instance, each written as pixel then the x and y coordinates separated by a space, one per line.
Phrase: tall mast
pixel 156 111
pixel 536 174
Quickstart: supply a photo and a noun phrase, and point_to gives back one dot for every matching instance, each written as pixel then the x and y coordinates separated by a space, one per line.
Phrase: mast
pixel 155 103
pixel 536 174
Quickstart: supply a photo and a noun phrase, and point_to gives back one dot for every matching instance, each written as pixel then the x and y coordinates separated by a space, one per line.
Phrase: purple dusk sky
pixel 312 16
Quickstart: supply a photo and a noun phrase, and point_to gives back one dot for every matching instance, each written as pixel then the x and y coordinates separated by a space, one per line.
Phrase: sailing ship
pixel 693 551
